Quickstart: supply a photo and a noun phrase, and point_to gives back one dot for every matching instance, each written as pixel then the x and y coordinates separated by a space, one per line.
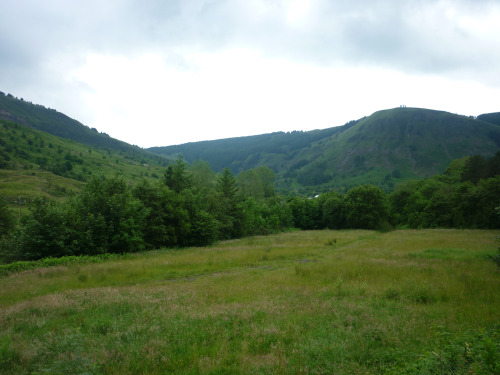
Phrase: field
pixel 315 302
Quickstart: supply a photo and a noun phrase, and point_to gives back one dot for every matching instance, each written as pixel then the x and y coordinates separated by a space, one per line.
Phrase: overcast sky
pixel 162 72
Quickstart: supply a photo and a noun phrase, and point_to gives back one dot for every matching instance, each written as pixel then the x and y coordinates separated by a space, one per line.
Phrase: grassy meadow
pixel 313 302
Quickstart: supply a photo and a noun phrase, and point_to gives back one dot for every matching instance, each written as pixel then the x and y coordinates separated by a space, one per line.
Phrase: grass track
pixel 313 302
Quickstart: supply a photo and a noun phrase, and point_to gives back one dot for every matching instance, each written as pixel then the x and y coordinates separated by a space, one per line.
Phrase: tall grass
pixel 341 302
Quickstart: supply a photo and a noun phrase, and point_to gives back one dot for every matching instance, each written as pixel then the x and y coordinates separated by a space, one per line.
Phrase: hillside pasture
pixel 311 302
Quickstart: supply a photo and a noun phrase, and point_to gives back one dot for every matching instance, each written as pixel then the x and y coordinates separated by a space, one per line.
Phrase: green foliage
pixel 271 216
pixel 478 168
pixel 44 233
pixel 333 210
pixel 7 219
pixel 19 266
pixel 471 353
pixel 167 221
pixel 306 213
pixel 366 207
pixel 109 217
pixel 245 153
pixel 226 185
pixel 204 229
pixel 257 183
pixel 193 206
pixel 496 257
pixel 177 176
pixel 203 177
pixel 438 202
pixel 493 118
pixel 55 123
pixel 104 218
pixel 384 149
pixel 229 210
pixel 36 163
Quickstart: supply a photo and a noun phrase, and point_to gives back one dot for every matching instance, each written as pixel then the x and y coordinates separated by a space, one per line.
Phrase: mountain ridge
pixel 385 148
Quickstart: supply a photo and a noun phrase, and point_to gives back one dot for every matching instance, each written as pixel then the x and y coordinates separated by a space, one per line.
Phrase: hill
pixel 49 120
pixel 242 153
pixel 44 152
pixel 385 148
pixel 34 162
pixel 493 118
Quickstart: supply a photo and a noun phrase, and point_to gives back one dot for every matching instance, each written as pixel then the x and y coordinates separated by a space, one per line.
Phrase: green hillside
pixel 33 162
pixel 385 148
pixel 242 153
pixel 493 118
pixel 49 120
pixel 398 144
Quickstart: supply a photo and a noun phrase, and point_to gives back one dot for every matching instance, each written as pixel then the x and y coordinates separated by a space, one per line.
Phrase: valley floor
pixel 313 302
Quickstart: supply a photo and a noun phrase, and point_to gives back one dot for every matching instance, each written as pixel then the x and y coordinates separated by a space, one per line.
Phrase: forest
pixel 191 205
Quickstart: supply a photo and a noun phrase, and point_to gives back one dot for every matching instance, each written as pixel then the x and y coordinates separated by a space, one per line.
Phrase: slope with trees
pixel 33 162
pixel 53 122
pixel 383 149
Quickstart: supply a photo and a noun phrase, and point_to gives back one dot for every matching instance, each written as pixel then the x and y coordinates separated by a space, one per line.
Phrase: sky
pixel 164 72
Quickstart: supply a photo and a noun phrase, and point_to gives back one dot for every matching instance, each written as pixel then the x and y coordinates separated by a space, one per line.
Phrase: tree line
pixel 194 206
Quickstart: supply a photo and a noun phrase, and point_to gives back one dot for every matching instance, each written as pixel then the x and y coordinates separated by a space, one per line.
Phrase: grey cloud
pixel 411 35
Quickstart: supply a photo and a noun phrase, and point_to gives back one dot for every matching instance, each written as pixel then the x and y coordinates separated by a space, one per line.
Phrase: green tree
pixel 203 178
pixel 398 203
pixel 204 229
pixel 488 198
pixel 167 222
pixel 475 169
pixel 306 213
pixel 366 207
pixel 7 219
pixel 43 233
pixel 440 208
pixel 118 218
pixel 465 205
pixel 177 176
pixel 257 182
pixel 229 211
pixel 226 185
pixel 279 214
pixel 493 165
pixel 332 207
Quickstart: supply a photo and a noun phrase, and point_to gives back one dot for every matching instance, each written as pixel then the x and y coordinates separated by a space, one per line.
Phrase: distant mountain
pixel 387 147
pixel 242 153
